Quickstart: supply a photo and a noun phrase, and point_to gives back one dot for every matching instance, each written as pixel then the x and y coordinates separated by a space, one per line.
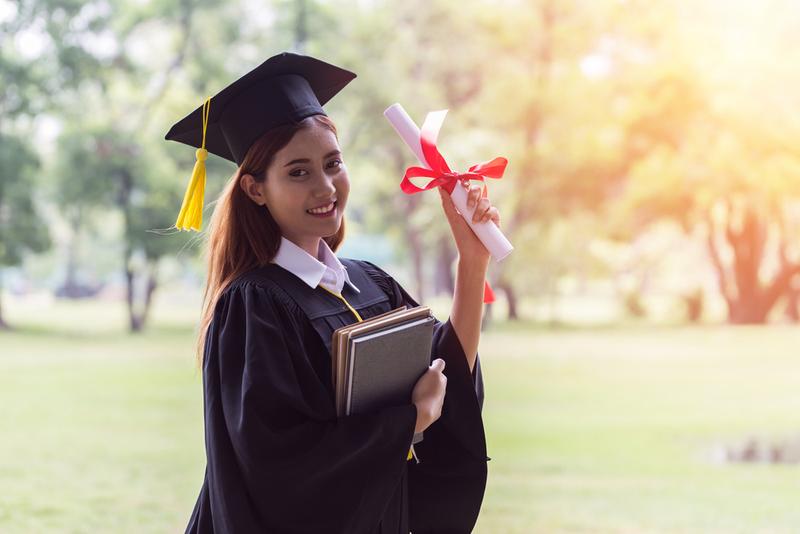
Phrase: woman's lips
pixel 324 215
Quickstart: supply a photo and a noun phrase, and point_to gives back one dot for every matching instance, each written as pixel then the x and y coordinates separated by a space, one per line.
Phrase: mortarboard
pixel 284 89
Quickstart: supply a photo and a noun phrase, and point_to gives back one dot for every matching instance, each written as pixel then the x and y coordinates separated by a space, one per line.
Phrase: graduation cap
pixel 284 89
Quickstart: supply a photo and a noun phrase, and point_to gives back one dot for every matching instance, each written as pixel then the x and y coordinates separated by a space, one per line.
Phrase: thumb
pixel 438 365
pixel 447 203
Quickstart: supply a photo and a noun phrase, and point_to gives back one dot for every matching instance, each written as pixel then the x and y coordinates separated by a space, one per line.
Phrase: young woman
pixel 278 459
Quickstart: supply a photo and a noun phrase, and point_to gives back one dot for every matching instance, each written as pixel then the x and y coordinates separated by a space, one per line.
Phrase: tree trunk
pixel 749 302
pixel 123 202
pixel 415 244
pixel 134 324
pixel 793 305
pixel 70 282
pixel 694 303
pixel 152 284
pixel 488 316
pixel 139 305
pixel 3 324
pixel 444 282
pixel 511 298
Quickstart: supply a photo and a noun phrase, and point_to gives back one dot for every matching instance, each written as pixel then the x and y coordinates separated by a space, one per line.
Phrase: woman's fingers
pixel 482 210
pixel 473 194
pixel 492 215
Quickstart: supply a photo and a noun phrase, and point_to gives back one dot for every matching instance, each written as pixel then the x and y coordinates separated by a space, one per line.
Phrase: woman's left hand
pixel 467 243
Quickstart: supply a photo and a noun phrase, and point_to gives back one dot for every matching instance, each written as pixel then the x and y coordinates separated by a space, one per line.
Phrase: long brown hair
pixel 241 234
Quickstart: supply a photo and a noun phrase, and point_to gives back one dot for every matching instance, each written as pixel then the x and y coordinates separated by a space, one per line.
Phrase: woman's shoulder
pixel 255 285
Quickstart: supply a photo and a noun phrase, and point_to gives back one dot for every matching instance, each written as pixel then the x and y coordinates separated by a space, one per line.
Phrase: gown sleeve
pixel 446 488
pixel 278 458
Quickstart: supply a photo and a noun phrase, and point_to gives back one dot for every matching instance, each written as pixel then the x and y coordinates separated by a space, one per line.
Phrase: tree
pixel 80 187
pixel 103 167
pixel 111 152
pixel 21 228
pixel 741 191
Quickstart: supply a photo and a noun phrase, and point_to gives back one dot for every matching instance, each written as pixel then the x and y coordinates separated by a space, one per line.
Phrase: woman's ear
pixel 252 189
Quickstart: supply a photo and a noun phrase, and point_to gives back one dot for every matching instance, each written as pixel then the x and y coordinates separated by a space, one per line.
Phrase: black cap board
pixel 285 88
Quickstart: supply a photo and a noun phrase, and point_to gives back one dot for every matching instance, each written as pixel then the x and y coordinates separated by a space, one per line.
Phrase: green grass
pixel 612 430
pixel 101 432
pixel 591 430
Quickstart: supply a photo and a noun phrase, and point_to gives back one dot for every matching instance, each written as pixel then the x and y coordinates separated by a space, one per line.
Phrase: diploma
pixel 490 235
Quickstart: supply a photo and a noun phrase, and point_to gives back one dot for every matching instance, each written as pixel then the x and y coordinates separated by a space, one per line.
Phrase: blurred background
pixel 640 364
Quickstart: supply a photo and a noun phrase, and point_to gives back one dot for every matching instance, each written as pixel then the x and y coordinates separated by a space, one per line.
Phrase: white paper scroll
pixel 490 235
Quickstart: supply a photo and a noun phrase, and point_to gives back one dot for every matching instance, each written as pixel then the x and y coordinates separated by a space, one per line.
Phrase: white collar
pixel 305 266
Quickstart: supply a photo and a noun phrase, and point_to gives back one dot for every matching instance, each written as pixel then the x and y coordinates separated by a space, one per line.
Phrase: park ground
pixel 617 429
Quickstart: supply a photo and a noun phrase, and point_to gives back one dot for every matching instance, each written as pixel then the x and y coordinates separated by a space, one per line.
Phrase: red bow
pixel 443 177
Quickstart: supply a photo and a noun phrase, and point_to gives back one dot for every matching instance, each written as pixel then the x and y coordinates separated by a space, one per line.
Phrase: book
pixel 340 339
pixel 377 362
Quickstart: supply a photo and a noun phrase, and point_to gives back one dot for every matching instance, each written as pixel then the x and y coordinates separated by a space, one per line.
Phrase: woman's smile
pixel 327 210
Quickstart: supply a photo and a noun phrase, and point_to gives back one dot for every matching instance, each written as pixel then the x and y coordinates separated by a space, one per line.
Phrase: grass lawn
pixel 592 430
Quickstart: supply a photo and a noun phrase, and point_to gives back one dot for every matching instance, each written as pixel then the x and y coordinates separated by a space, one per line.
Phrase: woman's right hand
pixel 428 395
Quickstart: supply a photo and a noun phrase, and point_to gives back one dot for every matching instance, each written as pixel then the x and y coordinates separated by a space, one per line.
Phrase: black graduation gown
pixel 279 460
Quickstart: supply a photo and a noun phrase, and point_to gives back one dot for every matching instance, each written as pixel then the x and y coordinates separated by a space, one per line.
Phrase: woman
pixel 278 459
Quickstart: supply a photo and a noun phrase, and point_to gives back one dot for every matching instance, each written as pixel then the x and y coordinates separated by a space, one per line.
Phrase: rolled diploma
pixel 490 235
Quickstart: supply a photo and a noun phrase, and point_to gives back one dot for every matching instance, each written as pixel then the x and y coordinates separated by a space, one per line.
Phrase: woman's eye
pixel 298 172
pixel 338 162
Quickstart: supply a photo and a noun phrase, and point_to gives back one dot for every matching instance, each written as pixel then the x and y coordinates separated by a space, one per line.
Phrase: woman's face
pixel 307 173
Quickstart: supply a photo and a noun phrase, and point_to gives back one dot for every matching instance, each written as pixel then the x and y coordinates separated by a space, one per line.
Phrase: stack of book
pixel 377 362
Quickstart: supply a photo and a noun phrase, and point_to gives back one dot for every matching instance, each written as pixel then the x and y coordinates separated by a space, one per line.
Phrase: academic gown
pixel 279 460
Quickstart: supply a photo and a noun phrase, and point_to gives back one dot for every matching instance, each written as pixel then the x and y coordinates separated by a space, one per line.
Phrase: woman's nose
pixel 325 187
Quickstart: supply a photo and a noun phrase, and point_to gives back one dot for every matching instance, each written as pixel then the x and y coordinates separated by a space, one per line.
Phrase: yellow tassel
pixel 191 214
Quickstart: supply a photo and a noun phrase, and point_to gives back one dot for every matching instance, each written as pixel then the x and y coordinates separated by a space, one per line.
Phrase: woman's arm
pixel 467 311
pixel 473 262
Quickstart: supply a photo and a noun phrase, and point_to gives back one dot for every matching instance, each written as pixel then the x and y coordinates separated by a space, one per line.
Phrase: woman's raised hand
pixel 428 395
pixel 467 243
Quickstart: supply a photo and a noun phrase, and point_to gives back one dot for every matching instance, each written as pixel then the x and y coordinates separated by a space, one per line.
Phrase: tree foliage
pixel 616 117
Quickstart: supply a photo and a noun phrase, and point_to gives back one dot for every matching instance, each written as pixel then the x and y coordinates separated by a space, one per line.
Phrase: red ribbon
pixel 443 177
